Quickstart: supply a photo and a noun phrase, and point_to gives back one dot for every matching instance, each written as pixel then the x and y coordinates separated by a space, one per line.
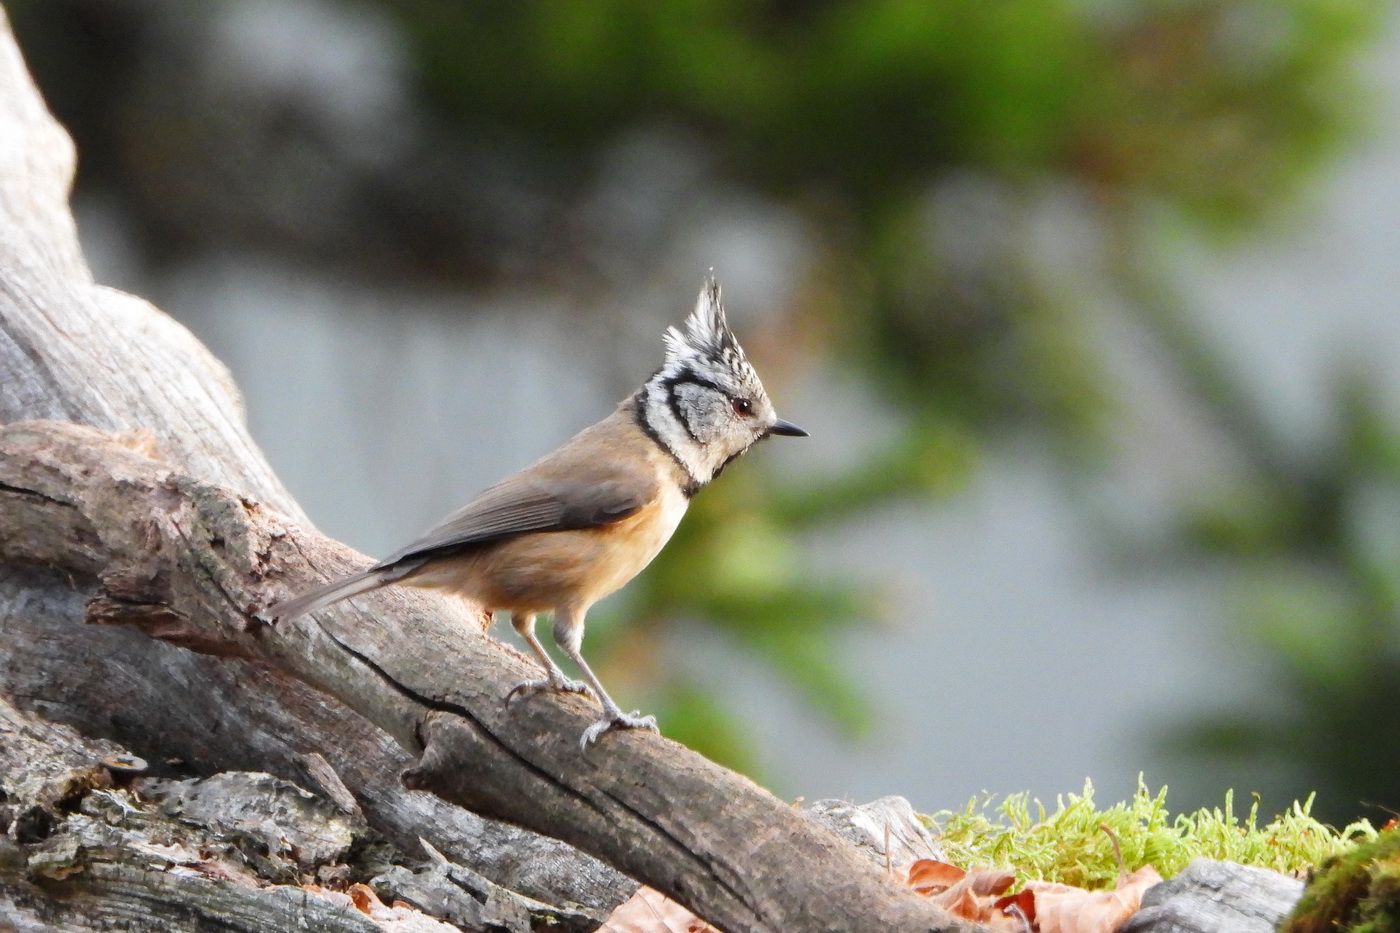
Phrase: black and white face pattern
pixel 706 405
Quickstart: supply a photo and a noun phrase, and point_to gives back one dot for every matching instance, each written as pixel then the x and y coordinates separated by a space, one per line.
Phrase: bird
pixel 582 521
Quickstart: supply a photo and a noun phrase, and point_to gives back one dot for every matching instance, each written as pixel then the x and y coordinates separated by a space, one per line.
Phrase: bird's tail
pixel 332 592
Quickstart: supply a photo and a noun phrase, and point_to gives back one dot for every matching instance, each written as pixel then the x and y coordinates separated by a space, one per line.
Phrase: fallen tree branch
pixel 74 350
pixel 90 841
pixel 191 564
pixel 216 714
pixel 168 523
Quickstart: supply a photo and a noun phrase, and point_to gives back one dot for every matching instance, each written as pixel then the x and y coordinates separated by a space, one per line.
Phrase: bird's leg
pixel 568 635
pixel 556 682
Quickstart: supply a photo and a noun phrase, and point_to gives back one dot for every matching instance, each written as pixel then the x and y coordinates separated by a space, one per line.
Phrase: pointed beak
pixel 786 429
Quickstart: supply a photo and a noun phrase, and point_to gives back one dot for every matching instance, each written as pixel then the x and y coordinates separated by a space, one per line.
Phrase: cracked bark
pixel 133 498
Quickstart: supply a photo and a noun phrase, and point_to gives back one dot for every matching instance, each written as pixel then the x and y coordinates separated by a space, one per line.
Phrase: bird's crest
pixel 706 404
pixel 707 340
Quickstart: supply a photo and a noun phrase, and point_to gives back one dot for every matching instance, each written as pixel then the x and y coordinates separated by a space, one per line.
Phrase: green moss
pixel 1072 844
pixel 1357 891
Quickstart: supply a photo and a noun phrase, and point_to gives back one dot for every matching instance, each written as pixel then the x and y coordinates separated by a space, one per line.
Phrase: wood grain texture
pixel 192 565
pixel 78 854
pixel 89 840
pixel 75 350
pixel 138 504
pixel 1210 896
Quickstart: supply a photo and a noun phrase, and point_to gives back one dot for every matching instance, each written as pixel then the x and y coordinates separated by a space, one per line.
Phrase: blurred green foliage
pixel 921 142
pixel 860 110
pixel 891 122
pixel 1314 541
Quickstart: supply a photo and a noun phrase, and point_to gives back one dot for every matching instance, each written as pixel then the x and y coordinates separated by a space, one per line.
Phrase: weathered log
pixel 887 830
pixel 218 714
pixel 191 564
pixel 170 525
pixel 1216 897
pixel 87 845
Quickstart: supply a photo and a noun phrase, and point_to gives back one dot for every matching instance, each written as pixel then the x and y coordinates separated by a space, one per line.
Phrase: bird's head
pixel 706 404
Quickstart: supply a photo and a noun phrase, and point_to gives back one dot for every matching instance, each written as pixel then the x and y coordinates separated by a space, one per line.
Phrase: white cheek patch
pixel 687 406
pixel 672 435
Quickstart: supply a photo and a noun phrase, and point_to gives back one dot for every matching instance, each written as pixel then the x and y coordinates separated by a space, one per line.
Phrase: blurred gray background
pixel 1089 308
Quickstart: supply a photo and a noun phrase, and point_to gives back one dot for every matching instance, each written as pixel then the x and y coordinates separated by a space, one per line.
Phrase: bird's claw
pixel 617 719
pixel 529 688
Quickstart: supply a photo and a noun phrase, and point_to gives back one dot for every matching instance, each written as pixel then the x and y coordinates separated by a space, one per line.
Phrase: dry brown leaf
pixel 1041 906
pixel 1142 879
pixel 1014 911
pixel 364 898
pixel 961 902
pixel 1061 908
pixel 1055 905
pixel 650 911
pixel 970 895
pixel 991 882
pixel 929 876
pixel 400 918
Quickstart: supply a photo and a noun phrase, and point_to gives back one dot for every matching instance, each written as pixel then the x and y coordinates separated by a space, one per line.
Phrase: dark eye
pixel 743 406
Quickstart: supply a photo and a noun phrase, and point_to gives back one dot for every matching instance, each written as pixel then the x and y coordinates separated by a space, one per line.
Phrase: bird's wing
pixel 531 502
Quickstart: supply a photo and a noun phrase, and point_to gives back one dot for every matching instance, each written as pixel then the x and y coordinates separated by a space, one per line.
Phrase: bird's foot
pixel 560 684
pixel 616 719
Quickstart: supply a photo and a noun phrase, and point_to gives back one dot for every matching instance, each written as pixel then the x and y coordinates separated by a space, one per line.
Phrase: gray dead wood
pixel 217 714
pixel 112 896
pixel 86 844
pixel 1216 897
pixel 887 830
pixel 190 564
pixel 167 530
